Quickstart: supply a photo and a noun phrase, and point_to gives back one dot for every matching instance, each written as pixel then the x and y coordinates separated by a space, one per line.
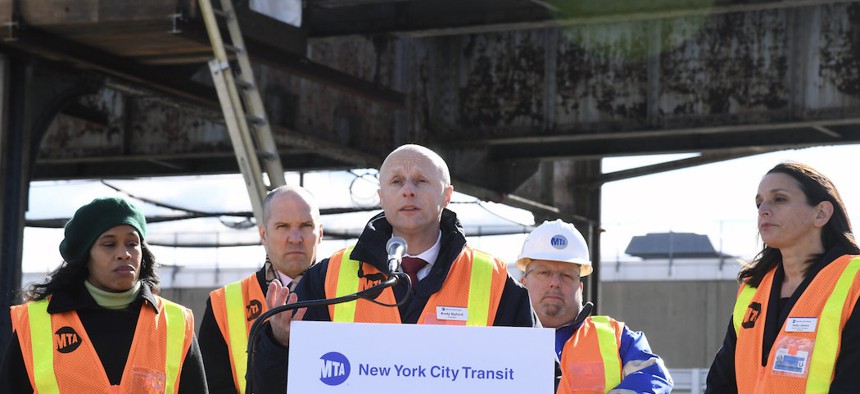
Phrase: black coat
pixel 111 332
pixel 270 360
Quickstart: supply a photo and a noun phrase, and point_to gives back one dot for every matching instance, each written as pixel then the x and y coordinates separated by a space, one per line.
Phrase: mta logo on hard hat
pixel 334 368
pixel 558 241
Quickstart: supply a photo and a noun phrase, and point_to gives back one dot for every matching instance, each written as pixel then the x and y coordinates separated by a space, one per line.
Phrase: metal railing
pixel 689 380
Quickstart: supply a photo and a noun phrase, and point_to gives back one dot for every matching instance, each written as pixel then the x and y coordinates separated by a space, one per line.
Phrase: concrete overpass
pixel 523 98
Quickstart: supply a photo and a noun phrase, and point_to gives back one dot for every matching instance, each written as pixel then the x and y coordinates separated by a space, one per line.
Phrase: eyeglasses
pixel 546 275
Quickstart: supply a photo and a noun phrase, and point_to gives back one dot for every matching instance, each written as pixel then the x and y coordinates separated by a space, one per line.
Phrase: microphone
pixel 396 247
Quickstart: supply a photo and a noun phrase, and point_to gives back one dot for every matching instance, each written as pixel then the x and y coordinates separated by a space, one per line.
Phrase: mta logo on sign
pixel 558 241
pixel 334 368
pixel 66 340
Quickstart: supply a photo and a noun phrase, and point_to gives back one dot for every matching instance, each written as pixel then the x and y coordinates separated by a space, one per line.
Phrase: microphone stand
pixel 368 294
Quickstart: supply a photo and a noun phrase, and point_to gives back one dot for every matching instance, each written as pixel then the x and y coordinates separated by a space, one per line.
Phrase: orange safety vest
pixel 60 357
pixel 804 354
pixel 470 295
pixel 235 308
pixel 589 361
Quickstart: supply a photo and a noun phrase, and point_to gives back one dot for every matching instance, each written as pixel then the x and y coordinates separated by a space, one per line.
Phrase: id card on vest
pixel 792 356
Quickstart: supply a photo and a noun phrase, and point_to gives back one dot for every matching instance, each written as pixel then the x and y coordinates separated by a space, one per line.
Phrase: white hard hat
pixel 556 241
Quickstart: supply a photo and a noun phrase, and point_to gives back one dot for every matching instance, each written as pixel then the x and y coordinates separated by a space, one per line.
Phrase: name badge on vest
pixel 801 324
pixel 452 313
pixel 792 356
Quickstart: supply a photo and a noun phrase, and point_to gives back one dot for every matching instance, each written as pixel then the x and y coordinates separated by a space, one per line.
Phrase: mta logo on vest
pixel 66 340
pixel 752 314
pixel 254 309
pixel 334 368
pixel 558 241
pixel 371 280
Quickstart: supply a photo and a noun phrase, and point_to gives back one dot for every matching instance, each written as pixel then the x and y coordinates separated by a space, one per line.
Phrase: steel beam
pixel 706 158
pixel 458 17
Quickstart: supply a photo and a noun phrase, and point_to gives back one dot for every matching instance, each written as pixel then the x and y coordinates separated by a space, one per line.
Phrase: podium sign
pixel 364 358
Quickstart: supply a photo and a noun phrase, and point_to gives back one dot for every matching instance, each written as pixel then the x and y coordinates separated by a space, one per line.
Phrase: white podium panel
pixel 407 358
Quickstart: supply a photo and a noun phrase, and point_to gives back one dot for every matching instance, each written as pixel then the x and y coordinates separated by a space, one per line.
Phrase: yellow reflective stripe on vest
pixel 823 359
pixel 480 280
pixel 42 343
pixel 234 301
pixel 347 283
pixel 175 342
pixel 741 305
pixel 608 343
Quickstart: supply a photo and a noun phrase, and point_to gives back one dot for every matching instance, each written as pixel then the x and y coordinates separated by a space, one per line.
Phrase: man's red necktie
pixel 411 266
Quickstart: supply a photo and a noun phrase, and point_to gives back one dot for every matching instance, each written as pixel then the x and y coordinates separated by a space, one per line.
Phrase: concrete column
pixel 13 155
pixel 31 95
pixel 578 197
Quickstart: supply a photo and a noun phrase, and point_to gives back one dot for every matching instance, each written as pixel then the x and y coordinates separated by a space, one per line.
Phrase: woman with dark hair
pixel 96 325
pixel 796 323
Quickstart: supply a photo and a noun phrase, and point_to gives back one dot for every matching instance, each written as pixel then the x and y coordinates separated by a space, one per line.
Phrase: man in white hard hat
pixel 553 258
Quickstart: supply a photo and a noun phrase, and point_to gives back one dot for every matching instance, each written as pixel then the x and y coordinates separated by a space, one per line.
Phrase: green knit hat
pixel 93 219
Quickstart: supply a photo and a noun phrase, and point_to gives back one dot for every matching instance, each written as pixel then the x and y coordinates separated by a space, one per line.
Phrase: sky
pixel 715 199
pixel 227 193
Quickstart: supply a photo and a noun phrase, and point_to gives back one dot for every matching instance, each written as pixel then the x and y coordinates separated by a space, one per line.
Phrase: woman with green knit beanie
pixel 97 324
